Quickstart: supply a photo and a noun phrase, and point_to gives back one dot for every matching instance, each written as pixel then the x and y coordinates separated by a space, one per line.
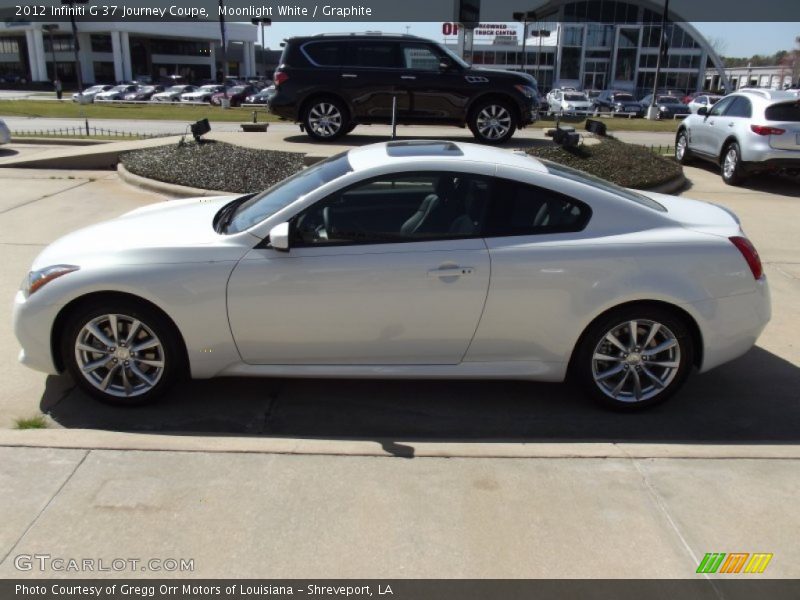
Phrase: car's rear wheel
pixel 731 164
pixel 682 153
pixel 326 119
pixel 634 357
pixel 492 122
pixel 122 353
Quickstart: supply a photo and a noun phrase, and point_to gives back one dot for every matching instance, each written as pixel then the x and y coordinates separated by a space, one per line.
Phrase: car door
pixel 728 122
pixel 370 80
pixel 435 94
pixel 555 101
pixel 702 131
pixel 392 270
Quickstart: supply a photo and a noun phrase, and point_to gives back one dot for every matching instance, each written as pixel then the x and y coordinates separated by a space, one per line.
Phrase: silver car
pixel 746 132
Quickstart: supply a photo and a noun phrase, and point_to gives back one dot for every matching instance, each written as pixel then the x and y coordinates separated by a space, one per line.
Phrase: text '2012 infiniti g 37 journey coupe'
pixel 420 259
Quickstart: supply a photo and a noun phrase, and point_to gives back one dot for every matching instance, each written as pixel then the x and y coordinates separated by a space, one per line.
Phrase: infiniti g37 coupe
pixel 420 259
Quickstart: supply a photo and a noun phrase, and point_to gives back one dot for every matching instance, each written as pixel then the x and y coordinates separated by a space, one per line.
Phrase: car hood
pixel 169 231
pixel 499 74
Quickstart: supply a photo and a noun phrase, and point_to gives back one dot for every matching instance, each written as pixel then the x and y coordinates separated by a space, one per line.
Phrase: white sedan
pixel 5 134
pixel 421 259
pixel 569 102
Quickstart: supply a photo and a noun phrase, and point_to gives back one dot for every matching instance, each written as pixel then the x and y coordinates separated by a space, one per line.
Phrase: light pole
pixel 524 17
pixel 49 29
pixel 262 21
pixel 652 111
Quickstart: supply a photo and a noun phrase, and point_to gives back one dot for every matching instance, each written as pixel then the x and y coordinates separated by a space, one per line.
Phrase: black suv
pixel 620 102
pixel 331 83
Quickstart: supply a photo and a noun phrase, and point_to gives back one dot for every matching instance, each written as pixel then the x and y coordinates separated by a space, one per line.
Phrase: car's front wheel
pixel 634 357
pixel 682 153
pixel 325 119
pixel 492 122
pixel 732 171
pixel 121 352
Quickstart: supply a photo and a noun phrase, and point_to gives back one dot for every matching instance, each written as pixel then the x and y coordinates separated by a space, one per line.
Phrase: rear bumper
pixel 774 164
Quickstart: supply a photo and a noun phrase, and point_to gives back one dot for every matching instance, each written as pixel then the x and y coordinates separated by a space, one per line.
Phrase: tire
pixel 149 371
pixel 492 122
pixel 612 382
pixel 325 119
pixel 731 164
pixel 682 153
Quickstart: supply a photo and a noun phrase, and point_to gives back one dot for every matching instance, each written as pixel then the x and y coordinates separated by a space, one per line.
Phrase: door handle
pixel 451 272
pixel 349 75
pixel 407 77
pixel 730 124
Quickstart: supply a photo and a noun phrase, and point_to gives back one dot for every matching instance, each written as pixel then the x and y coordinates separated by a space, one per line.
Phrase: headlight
pixel 663 108
pixel 38 279
pixel 570 107
pixel 526 91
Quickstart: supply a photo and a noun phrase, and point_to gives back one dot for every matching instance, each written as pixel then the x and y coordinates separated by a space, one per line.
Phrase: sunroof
pixel 423 148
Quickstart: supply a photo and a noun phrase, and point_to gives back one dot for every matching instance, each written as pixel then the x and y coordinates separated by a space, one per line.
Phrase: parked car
pixel 744 133
pixel 410 229
pixel 618 102
pixel 91 92
pixel 144 93
pixel 236 95
pixel 668 106
pixel 173 93
pixel 261 97
pixel 5 134
pixel 703 101
pixel 202 94
pixel 115 93
pixel 331 83
pixel 568 102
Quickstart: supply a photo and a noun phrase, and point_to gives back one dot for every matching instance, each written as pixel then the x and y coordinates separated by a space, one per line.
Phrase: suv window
pixel 522 209
pixel 721 106
pixel 373 54
pixel 740 107
pixel 786 111
pixel 405 207
pixel 420 57
pixel 326 54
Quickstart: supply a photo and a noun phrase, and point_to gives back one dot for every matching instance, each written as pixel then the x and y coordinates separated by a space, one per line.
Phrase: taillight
pixel 750 255
pixel 766 130
pixel 279 78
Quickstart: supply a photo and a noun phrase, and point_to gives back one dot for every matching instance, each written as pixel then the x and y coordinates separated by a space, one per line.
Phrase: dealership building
pixel 123 51
pixel 602 44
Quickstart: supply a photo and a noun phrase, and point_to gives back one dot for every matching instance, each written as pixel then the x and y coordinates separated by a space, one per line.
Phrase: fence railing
pixel 661 149
pixel 84 132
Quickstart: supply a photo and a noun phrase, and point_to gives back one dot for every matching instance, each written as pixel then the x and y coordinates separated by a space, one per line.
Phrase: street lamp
pixel 524 17
pixel 50 29
pixel 262 21
pixel 75 45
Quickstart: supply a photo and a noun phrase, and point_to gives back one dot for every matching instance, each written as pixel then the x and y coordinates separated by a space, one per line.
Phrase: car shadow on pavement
pixel 6 152
pixel 748 401
pixel 781 184
pixel 355 140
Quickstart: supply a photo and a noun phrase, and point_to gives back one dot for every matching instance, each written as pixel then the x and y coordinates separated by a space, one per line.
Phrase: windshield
pixel 623 98
pixel 455 57
pixel 668 100
pixel 714 99
pixel 237 89
pixel 119 88
pixel 94 88
pixel 576 97
pixel 601 184
pixel 282 194
pixel 176 88
pixel 147 88
pixel 208 88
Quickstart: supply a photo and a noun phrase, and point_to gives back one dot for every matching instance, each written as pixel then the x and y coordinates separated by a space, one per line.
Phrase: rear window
pixel 326 54
pixel 601 184
pixel 668 100
pixel 576 97
pixel 787 111
pixel 624 97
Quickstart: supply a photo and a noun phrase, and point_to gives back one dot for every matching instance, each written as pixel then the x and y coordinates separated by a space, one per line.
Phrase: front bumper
pixel 33 324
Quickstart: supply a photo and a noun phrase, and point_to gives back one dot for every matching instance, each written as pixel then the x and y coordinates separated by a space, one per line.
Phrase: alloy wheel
pixel 324 119
pixel 635 360
pixel 729 165
pixel 680 148
pixel 119 355
pixel 493 122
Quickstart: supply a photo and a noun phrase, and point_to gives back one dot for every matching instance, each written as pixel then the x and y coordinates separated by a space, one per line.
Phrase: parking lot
pixel 727 441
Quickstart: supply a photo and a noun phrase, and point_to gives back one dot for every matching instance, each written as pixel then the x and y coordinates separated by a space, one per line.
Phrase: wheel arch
pixel 318 94
pixel 691 323
pixel 57 331
pixel 724 148
pixel 494 95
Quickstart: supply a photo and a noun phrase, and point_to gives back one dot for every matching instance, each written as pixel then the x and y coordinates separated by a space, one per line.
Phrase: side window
pixel 326 54
pixel 374 54
pixel 721 106
pixel 396 208
pixel 741 107
pixel 420 58
pixel 521 209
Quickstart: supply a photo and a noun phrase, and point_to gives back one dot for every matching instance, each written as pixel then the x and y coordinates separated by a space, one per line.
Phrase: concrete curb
pixel 88 439
pixel 670 187
pixel 168 189
pixel 56 141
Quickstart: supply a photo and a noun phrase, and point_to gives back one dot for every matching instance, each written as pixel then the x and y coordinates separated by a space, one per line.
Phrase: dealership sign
pixel 483 29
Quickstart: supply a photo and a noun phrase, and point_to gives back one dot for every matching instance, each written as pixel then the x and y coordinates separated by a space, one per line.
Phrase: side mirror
pixel 445 65
pixel 703 111
pixel 279 237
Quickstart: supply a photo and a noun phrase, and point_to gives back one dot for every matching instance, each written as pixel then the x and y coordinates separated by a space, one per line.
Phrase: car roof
pixel 411 152
pixel 769 95
pixel 377 35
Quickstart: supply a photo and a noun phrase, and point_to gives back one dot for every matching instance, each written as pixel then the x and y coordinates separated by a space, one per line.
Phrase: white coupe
pixel 421 259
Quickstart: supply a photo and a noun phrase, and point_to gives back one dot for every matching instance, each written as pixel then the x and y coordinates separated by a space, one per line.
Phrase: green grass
pixel 617 124
pixel 36 422
pixel 132 112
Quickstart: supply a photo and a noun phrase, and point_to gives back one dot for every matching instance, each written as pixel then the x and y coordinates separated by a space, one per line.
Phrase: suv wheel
pixel 634 357
pixel 732 164
pixel 682 153
pixel 492 122
pixel 326 119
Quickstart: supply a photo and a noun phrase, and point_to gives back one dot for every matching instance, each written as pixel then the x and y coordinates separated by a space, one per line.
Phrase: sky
pixel 738 39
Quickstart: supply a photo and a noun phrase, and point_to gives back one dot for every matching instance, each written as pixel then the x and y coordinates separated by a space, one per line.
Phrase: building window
pixel 101 43
pixel 599 36
pixel 104 72
pixel 62 43
pixel 573 36
pixel 9 46
pixel 626 64
pixel 570 63
pixel 179 47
